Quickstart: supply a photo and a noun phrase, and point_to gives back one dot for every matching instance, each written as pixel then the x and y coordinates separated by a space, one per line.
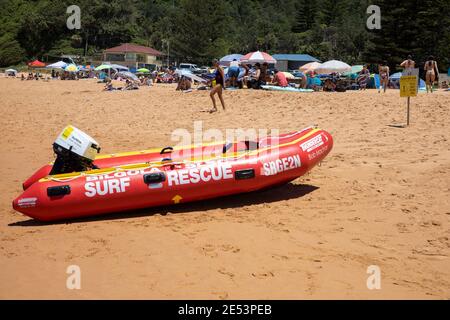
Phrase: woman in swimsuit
pixel 363 78
pixel 431 71
pixel 383 70
pixel 408 63
pixel 218 87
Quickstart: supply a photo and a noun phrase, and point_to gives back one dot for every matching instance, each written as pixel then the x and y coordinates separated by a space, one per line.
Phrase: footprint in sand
pixel 209 250
pixel 229 247
pixel 221 295
pixel 280 257
pixel 263 275
pixel 226 273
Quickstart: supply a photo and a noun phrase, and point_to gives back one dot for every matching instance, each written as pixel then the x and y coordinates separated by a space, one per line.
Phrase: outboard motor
pixel 75 151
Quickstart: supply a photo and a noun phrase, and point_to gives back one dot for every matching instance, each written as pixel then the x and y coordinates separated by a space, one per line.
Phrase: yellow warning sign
pixel 408 86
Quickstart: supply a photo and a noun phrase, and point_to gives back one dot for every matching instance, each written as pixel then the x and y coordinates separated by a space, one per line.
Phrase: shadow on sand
pixel 401 126
pixel 284 192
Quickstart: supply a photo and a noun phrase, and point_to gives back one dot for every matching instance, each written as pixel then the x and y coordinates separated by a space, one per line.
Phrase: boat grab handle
pixel 244 174
pixel 169 149
pixel 155 177
pixel 58 191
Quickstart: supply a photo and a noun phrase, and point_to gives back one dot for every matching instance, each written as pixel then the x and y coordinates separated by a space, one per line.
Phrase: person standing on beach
pixel 218 87
pixel 431 71
pixel 408 63
pixel 383 71
pixel 233 72
pixel 363 78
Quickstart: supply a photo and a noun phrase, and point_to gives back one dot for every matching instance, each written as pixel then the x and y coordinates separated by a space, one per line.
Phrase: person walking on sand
pixel 431 71
pixel 218 87
pixel 383 71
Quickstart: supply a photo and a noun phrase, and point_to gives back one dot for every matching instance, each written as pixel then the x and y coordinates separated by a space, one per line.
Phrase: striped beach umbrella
pixel 258 56
pixel 309 67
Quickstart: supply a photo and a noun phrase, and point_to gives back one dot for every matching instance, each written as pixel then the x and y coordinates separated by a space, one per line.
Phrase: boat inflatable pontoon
pixel 254 166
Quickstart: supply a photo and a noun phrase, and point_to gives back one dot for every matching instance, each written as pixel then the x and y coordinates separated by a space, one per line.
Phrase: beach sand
pixel 381 197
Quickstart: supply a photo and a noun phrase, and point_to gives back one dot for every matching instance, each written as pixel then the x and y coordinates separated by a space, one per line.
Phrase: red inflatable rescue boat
pixel 146 179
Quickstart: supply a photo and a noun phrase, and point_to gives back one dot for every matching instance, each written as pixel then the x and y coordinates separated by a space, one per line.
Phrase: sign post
pixel 408 88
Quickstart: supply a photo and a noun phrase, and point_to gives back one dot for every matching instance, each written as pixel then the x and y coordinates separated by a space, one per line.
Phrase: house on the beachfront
pixel 287 62
pixel 132 56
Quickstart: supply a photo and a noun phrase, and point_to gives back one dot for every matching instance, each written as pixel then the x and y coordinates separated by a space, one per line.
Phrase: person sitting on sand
pixel 130 85
pixel 444 85
pixel 383 71
pixel 184 84
pixel 431 70
pixel 247 68
pixel 218 87
pixel 254 79
pixel 264 71
pixel 280 79
pixel 109 86
pixel 22 77
pixel 329 86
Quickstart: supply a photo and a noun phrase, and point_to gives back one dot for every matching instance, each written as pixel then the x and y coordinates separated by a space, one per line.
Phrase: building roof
pixel 131 47
pixel 295 57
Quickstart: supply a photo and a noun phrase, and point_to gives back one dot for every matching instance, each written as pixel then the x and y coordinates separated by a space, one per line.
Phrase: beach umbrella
pixel 57 65
pixel 355 69
pixel 143 70
pixel 11 71
pixel 288 75
pixel 83 68
pixel 396 76
pixel 333 66
pixel 71 68
pixel 118 67
pixel 309 67
pixel 103 67
pixel 127 74
pixel 190 75
pixel 36 64
pixel 258 56
pixel 225 61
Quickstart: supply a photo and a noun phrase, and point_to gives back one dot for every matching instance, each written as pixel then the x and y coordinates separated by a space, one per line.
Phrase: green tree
pixel 201 29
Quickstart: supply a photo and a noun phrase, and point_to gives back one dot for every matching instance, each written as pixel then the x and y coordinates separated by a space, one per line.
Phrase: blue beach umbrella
pixel 225 61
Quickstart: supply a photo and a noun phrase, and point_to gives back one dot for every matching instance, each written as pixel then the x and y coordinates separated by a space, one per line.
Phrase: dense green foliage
pixel 199 30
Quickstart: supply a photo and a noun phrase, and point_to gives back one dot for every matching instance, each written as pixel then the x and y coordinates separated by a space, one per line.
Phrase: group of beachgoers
pixel 430 68
pixel 130 84
pixel 55 75
pixel 240 75
pixel 257 75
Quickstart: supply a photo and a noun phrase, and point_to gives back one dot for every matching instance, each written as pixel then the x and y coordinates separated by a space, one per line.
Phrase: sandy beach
pixel 381 197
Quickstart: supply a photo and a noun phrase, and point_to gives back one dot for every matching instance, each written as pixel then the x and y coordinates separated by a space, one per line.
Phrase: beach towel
pixel 288 89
